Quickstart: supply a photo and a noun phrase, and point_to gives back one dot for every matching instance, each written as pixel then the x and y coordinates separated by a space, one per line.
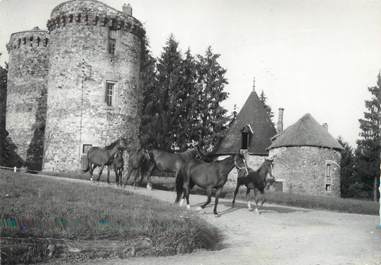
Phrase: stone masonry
pixel 26 95
pixel 304 169
pixel 81 66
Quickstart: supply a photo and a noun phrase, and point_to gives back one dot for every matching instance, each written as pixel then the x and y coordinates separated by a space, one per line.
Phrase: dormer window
pixel 245 136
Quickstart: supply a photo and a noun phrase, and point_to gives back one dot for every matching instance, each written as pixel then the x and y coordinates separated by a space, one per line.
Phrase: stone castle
pixel 75 85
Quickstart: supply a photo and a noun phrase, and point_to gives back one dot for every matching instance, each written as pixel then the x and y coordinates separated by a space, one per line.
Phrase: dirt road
pixel 279 235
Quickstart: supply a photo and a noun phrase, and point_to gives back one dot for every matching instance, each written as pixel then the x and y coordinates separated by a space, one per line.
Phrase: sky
pixel 308 56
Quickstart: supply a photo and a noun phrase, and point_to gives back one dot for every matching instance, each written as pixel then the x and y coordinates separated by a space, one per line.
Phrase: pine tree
pixel 149 98
pixel 269 112
pixel 367 154
pixel 168 82
pixel 212 119
pixel 348 181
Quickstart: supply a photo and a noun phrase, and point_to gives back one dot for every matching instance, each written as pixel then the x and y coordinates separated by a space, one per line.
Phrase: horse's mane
pixel 112 145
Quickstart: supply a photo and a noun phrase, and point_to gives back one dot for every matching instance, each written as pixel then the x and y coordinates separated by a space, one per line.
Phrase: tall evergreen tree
pixel 269 112
pixel 367 154
pixel 348 181
pixel 211 81
pixel 168 82
pixel 149 98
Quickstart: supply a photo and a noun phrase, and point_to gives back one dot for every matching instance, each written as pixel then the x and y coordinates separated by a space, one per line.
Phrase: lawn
pixel 126 224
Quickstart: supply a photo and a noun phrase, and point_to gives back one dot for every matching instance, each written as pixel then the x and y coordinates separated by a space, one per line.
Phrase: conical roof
pixel 306 132
pixel 253 113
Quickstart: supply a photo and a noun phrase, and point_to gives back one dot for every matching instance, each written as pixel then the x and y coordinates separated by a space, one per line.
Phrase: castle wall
pixel 304 170
pixel 80 67
pixel 26 95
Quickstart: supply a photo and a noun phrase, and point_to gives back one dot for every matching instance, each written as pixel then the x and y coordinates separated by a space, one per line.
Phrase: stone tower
pixel 26 94
pixel 93 81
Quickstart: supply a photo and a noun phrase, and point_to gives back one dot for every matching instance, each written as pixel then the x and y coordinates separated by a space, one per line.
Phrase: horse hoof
pixel 188 206
pixel 181 202
pixel 217 215
pixel 257 211
pixel 149 187
pixel 199 208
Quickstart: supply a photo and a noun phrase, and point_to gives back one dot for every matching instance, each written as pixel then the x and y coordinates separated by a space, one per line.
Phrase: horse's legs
pixel 256 201
pixel 128 176
pixel 186 192
pixel 235 192
pixel 209 194
pixel 179 189
pixel 218 192
pixel 100 173
pixel 108 174
pixel 149 172
pixel 116 175
pixel 248 199
pixel 91 170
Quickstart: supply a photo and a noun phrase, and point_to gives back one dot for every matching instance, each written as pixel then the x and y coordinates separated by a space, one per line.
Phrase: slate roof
pixel 254 114
pixel 306 132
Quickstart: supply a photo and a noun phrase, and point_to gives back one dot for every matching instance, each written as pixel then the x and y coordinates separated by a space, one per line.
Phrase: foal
pixel 257 180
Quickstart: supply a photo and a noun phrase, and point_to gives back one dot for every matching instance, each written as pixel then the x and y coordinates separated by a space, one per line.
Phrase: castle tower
pixel 95 56
pixel 26 94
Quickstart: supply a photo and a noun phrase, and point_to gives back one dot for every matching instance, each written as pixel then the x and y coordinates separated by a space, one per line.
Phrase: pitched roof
pixel 254 116
pixel 306 132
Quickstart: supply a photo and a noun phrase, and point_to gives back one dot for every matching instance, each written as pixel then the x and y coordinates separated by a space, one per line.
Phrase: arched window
pixel 246 131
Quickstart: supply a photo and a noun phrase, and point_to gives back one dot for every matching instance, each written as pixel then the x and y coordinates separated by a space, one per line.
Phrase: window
pixel 111 46
pixel 109 92
pixel 245 140
pixel 328 178
pixel 85 148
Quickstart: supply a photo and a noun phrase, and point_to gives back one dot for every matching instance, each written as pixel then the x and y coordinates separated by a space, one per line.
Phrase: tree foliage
pixel 367 153
pixel 182 99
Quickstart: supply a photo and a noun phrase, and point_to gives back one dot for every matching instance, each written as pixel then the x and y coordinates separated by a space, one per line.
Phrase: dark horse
pixel 169 162
pixel 101 157
pixel 135 164
pixel 256 180
pixel 209 176
pixel 117 164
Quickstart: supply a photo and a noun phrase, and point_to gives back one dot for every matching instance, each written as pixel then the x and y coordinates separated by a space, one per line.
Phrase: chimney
pixel 127 9
pixel 325 125
pixel 280 120
pixel 254 84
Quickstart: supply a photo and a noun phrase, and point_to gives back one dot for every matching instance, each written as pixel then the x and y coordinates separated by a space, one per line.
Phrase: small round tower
pixel 26 94
pixel 95 56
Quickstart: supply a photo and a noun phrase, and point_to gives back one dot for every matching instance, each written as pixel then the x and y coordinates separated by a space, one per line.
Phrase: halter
pixel 240 168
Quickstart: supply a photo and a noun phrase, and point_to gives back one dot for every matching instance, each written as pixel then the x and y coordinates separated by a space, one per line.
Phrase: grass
pixel 36 207
pixel 315 202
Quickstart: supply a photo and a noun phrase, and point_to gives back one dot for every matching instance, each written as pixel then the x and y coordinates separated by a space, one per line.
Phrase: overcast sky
pixel 311 56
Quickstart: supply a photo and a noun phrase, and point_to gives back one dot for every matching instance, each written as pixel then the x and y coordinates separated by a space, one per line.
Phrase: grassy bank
pixel 35 207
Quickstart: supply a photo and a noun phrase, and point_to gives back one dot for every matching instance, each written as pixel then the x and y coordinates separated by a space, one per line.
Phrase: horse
pixel 257 180
pixel 135 163
pixel 169 162
pixel 101 157
pixel 208 176
pixel 117 164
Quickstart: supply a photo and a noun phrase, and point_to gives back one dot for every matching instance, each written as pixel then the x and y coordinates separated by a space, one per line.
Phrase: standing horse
pixel 208 176
pixel 101 157
pixel 169 162
pixel 135 164
pixel 257 180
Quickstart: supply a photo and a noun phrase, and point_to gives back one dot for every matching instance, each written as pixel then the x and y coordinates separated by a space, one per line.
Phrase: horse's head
pixel 270 179
pixel 240 163
pixel 146 154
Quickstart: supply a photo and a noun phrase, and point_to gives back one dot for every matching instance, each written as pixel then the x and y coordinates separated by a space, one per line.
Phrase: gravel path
pixel 279 235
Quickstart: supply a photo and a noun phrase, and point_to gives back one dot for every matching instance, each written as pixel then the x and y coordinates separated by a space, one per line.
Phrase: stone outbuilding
pixel 250 133
pixel 306 159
